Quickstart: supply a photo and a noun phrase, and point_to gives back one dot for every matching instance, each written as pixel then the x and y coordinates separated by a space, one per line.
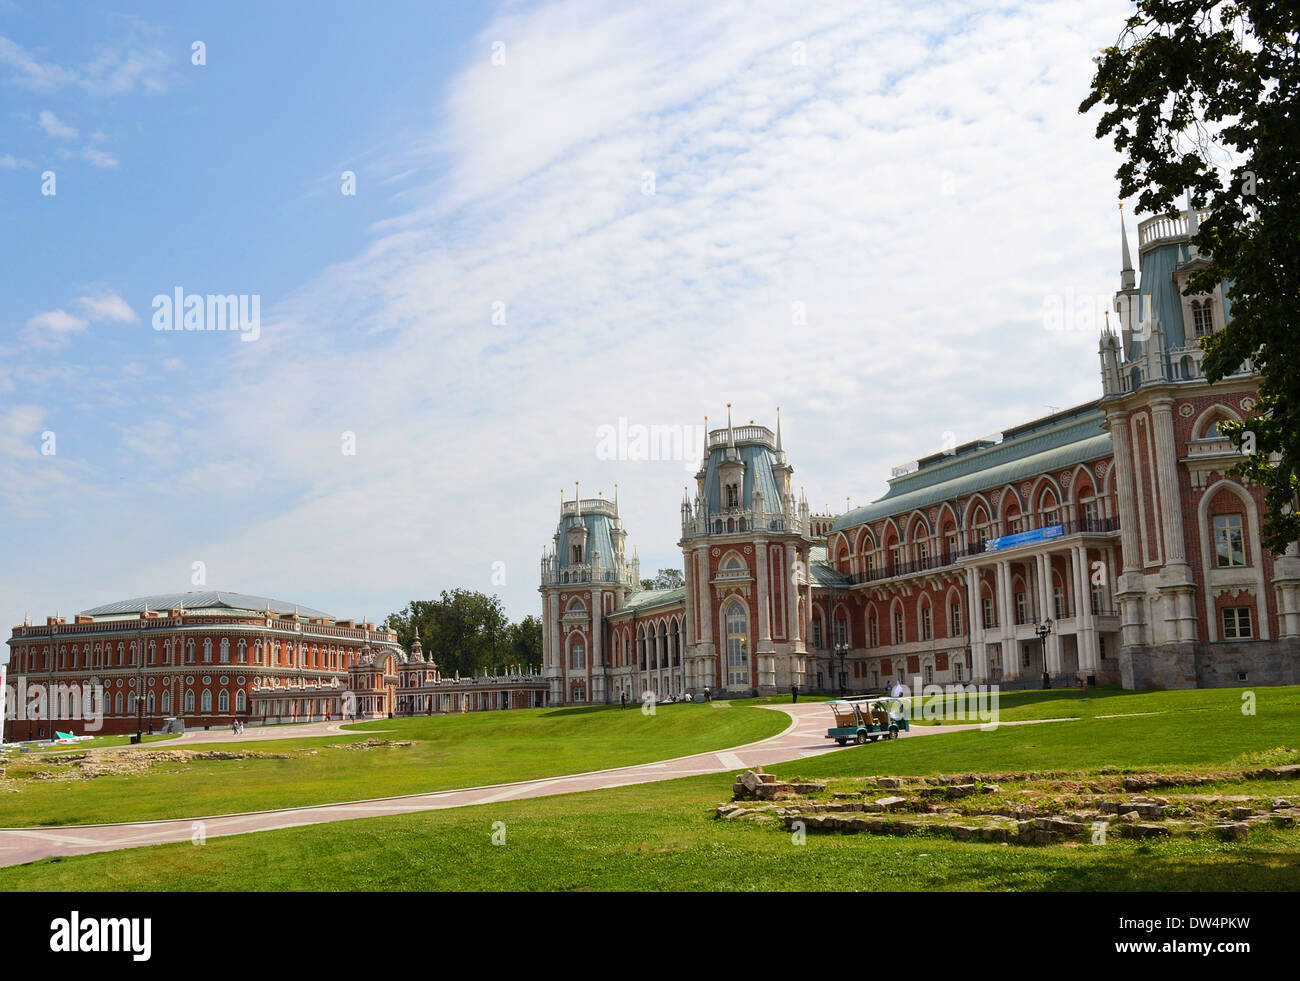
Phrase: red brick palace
pixel 210 658
pixel 1115 520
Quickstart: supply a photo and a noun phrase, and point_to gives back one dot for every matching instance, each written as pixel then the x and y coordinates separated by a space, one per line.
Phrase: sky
pixel 480 238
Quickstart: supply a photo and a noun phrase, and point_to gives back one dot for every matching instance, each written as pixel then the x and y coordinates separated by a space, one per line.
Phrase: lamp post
pixel 842 652
pixel 1043 630
pixel 139 682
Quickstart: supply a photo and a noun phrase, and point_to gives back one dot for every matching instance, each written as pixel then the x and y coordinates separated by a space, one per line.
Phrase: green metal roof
pixel 202 600
pixel 645 598
pixel 1062 440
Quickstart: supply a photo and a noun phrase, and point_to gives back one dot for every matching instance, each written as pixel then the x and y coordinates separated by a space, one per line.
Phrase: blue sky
pixel 647 194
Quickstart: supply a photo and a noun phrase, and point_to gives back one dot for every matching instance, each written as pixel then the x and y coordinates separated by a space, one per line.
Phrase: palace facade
pixel 211 658
pixel 1104 544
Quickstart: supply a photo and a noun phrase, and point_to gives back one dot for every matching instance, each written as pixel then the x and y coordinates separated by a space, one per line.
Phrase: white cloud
pixel 920 186
pixel 55 127
pixel 119 66
pixel 99 158
pixel 9 162
pixel 53 328
pixel 108 306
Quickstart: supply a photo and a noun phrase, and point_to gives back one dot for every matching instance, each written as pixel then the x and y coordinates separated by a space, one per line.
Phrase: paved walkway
pixel 804 737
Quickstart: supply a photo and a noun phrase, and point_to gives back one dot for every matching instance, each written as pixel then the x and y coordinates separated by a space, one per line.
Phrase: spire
pixel 1193 225
pixel 778 429
pixel 616 500
pixel 704 460
pixel 1127 279
pixel 731 434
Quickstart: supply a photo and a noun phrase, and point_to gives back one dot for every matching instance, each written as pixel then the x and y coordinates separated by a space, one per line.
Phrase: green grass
pixel 656 837
pixel 662 836
pixel 99 742
pixel 1187 728
pixel 466 750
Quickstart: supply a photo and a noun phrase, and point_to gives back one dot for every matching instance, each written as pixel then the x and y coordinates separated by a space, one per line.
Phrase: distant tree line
pixel 468 631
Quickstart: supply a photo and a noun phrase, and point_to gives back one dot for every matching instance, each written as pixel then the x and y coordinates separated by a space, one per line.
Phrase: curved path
pixel 804 737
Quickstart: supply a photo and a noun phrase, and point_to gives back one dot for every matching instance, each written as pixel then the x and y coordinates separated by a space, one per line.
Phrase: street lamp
pixel 139 682
pixel 842 652
pixel 1043 630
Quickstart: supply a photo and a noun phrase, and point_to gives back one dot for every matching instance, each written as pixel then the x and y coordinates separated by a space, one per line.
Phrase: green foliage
pixel 1200 95
pixel 664 579
pixel 467 631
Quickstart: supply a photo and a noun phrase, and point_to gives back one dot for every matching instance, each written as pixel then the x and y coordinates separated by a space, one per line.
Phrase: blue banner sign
pixel 1024 537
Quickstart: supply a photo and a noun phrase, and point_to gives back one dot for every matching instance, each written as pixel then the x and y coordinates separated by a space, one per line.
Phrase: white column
pixel 1007 605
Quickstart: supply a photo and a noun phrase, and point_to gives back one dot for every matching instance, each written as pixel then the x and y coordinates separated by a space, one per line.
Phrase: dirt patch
pixel 373 743
pixel 1048 808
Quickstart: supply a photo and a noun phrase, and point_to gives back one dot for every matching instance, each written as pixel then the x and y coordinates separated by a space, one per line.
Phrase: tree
pixel 463 630
pixel 1201 96
pixel 664 579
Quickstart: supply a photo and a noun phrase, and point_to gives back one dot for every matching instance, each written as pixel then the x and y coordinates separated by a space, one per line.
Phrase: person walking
pixel 708 695
pixel 794 694
pixel 622 697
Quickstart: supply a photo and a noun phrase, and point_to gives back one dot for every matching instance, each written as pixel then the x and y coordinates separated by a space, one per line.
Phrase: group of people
pixel 236 728
pixel 668 699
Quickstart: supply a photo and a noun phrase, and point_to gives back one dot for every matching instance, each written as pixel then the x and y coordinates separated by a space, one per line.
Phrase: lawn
pixel 466 750
pixel 663 836
pixel 655 837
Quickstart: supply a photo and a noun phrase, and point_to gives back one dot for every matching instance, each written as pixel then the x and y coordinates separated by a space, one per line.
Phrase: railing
pixel 588 505
pixel 744 434
pixel 585 574
pixel 1162 228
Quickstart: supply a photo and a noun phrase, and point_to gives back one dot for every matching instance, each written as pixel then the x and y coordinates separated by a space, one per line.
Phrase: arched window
pixel 153 652
pixel 257 652
pixel 239 700
pixel 189 701
pixel 149 704
pixel 166 702
pixel 207 650
pixel 117 704
pixel 1202 317
pixel 223 701
pixel 225 650
pixel 130 703
pixel 243 651
pixel 577 655
pixel 737 645
pixel 206 700
pixel 927 622
pixel 189 650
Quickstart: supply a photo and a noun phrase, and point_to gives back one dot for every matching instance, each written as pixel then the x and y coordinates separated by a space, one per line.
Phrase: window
pixel 954 620
pixel 951 541
pixel 988 612
pixel 929 674
pixel 1202 318
pixel 225 650
pixel 1016 525
pixel 1022 608
pixel 243 652
pixel 207 650
pixel 893 557
pixel 579 693
pixel 923 554
pixel 1091 515
pixel 737 658
pixel 153 651
pixel 733 497
pixel 149 704
pixel 927 629
pixel 130 703
pixel 956 670
pixel 117 704
pixel 817 632
pixel 841 631
pixel 1228 542
pixel 223 701
pixel 189 701
pixel 1101 647
pixel 1024 655
pixel 1098 598
pixel 206 701
pixel 166 702
pixel 1237 623
pixel 875 631
pixel 1058 601
pixel 899 636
